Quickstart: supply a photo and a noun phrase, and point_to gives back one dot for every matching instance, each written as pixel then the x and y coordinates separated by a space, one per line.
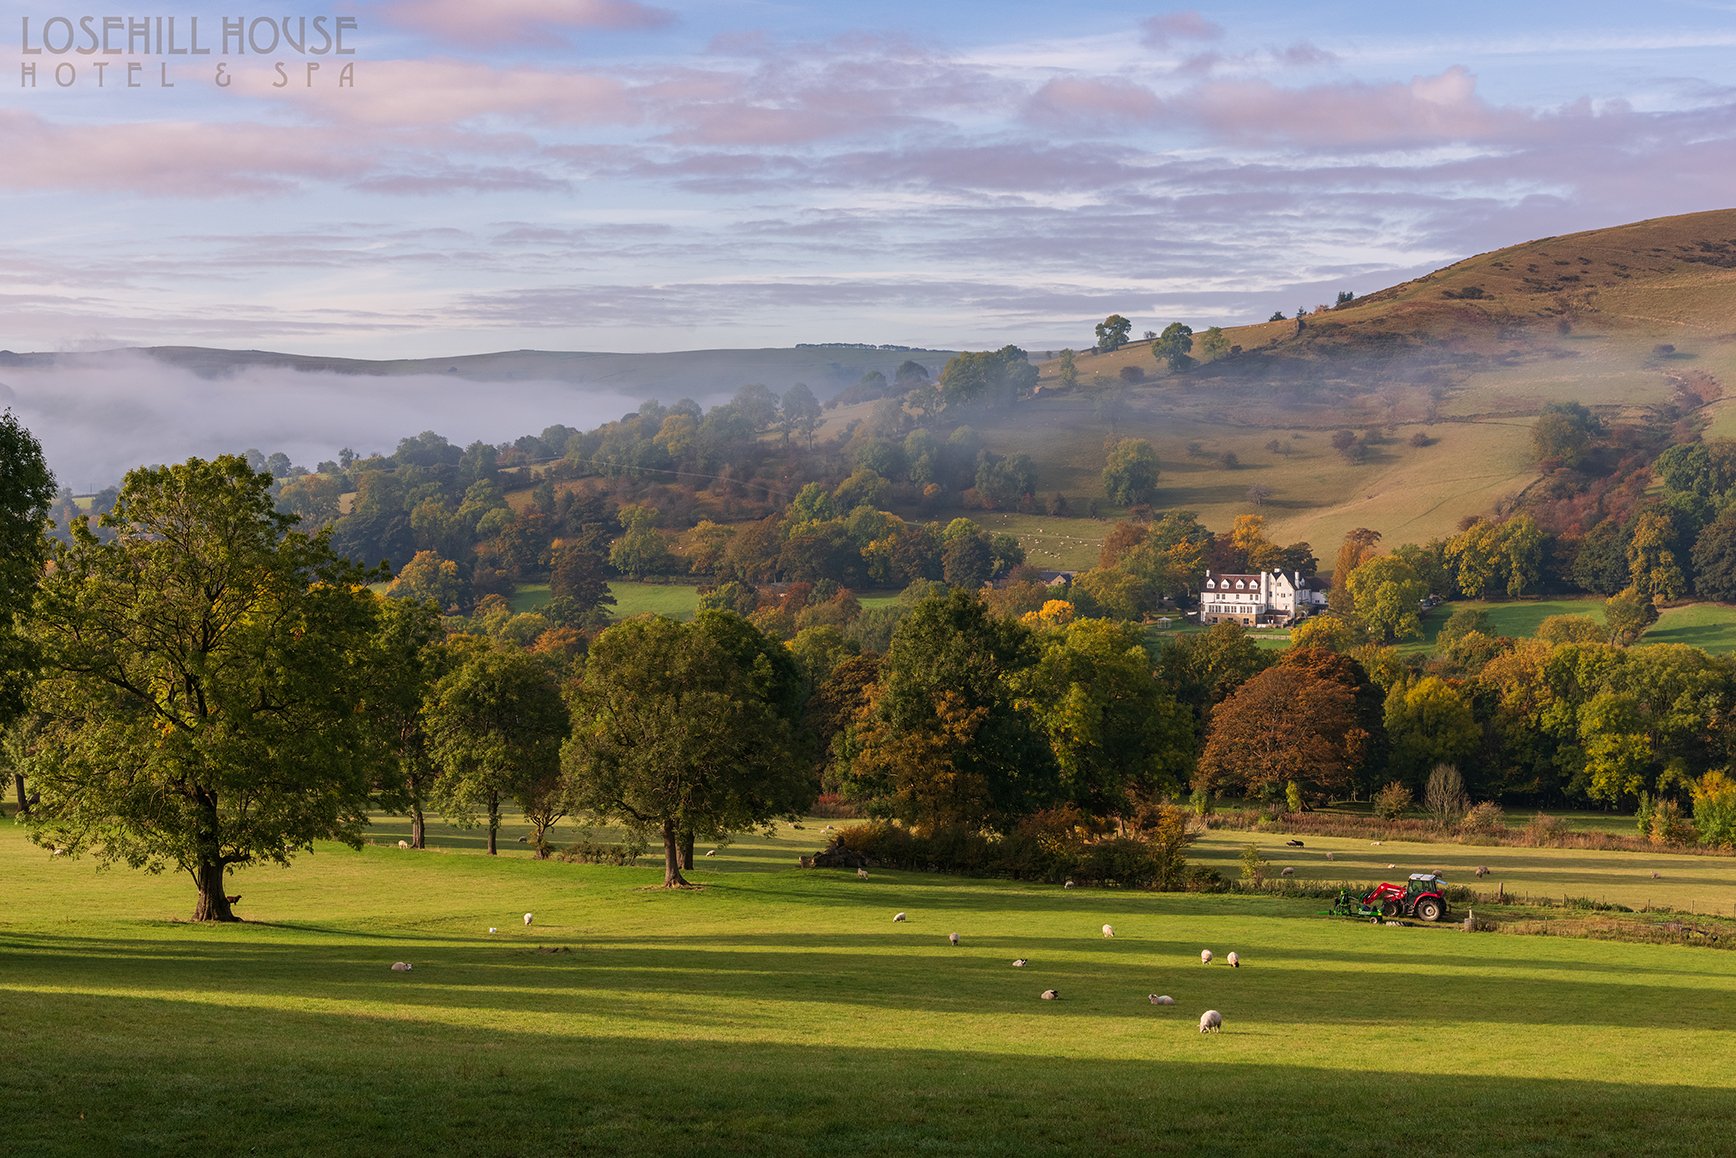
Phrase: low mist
pixel 99 416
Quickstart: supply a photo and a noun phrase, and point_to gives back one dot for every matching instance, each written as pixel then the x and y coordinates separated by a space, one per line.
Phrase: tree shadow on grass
pixel 161 1077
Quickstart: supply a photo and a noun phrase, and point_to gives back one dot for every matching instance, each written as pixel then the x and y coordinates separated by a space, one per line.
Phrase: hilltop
pixel 1448 370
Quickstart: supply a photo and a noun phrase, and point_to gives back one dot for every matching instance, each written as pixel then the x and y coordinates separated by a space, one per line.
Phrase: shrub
pixel 1670 825
pixel 1715 809
pixel 1544 830
pixel 1254 865
pixel 1392 802
pixel 1485 819
pixel 1201 801
pixel 587 851
pixel 833 806
pixel 1293 796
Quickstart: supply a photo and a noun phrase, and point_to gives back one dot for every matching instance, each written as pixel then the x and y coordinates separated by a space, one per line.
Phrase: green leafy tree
pixel 1068 372
pixel 579 579
pixel 495 723
pixel 1130 473
pixel 1564 433
pixel 800 413
pixel 1117 735
pixel 26 492
pixel 943 741
pixel 1714 559
pixel 1601 564
pixel 1174 347
pixel 200 693
pixel 1113 332
pixel 991 378
pixel 1428 722
pixel 1628 614
pixel 405 658
pixel 1715 808
pixel 683 730
pixel 640 551
pixel 1498 556
pixel 1214 343
pixel 1656 555
pixel 1388 598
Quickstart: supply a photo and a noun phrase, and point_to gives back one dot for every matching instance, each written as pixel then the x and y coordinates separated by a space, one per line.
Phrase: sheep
pixel 1375 843
pixel 527 918
pixel 1205 956
pixel 401 966
pixel 1286 872
pixel 711 852
pixel 1051 995
pixel 492 929
pixel 1391 866
pixel 1161 999
pixel 1068 885
pixel 1109 930
pixel 403 844
pixel 1020 963
pixel 897 917
pixel 828 828
pixel 861 874
pixel 1234 961
pixel 1655 874
pixel 1211 1021
pixel 797 827
pixel 1482 871
pixel 1294 844
pixel 952 938
pixel 1328 856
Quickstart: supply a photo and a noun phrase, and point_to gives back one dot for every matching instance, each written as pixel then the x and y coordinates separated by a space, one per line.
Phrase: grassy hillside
pixel 778 1011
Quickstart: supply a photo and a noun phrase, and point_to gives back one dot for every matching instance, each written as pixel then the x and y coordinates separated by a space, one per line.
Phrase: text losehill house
pixel 80 47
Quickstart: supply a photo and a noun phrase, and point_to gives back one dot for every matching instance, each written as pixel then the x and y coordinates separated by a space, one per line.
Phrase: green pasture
pixel 1708 626
pixel 676 600
pixel 1700 884
pixel 782 1011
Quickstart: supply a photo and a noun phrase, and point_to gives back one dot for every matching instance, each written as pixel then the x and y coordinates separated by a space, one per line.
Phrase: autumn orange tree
pixel 1286 723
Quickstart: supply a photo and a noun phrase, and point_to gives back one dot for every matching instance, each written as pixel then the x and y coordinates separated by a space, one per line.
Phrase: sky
pixel 627 175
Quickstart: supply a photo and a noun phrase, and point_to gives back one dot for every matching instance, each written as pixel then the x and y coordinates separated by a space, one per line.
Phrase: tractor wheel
pixel 1428 909
pixel 1389 909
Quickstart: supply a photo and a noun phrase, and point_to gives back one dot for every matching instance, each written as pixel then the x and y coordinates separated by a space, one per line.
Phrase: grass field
pixel 1710 626
pixel 778 1011
pixel 678 601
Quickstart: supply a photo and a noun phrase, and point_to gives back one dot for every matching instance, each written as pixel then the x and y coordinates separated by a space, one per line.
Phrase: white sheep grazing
pixel 711 852
pixel 401 966
pixel 1051 995
pixel 952 937
pixel 1375 843
pixel 1235 961
pixel 403 844
pixel 1391 866
pixel 1287 872
pixel 861 874
pixel 1068 885
pixel 1161 999
pixel 1482 871
pixel 1020 963
pixel 1328 856
pixel 898 916
pixel 1109 930
pixel 527 918
pixel 1205 956
pixel 1655 875
pixel 492 929
pixel 1211 1021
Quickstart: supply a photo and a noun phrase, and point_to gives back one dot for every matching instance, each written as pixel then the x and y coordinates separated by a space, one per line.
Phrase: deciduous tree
pixel 201 689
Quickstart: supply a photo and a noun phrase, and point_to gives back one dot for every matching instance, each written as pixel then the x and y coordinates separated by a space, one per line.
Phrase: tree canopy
pixel 26 491
pixel 200 696
pixel 683 730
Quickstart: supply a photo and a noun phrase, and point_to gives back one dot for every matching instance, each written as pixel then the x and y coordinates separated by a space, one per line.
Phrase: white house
pixel 1269 598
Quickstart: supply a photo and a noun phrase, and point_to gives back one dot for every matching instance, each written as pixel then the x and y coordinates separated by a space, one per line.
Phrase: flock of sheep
pixel 1211 1021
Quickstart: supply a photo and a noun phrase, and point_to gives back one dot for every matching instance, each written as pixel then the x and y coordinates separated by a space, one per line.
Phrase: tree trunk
pixel 418 827
pixel 23 800
pixel 213 903
pixel 493 822
pixel 672 878
pixel 687 850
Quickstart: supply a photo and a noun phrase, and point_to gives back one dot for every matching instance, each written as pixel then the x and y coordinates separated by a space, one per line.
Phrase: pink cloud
pixel 1086 101
pixel 1164 31
pixel 1427 110
pixel 170 159
pixel 522 21
pixel 449 92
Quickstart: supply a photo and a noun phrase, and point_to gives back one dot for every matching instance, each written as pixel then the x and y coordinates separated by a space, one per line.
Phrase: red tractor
pixel 1424 897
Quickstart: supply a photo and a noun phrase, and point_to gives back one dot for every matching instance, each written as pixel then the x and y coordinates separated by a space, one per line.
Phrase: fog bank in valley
pixel 99 416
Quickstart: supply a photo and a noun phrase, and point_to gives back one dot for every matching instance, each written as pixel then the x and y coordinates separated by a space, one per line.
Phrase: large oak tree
pixel 200 689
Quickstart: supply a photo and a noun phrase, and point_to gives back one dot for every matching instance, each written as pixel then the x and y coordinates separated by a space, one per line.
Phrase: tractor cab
pixel 1425 883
